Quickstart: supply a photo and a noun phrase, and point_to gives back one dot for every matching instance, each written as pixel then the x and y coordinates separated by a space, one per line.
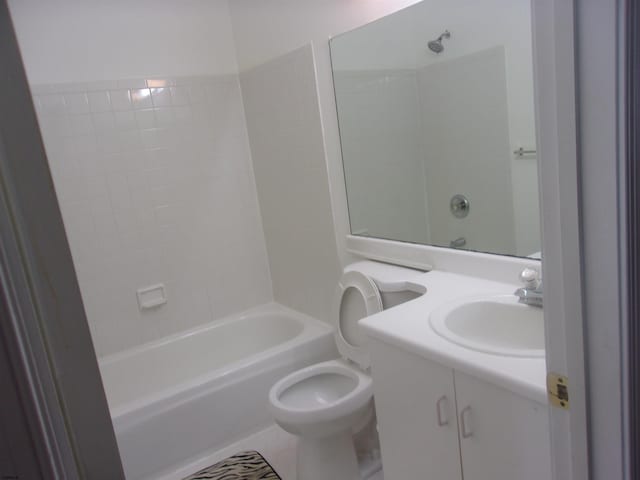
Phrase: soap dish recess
pixel 151 297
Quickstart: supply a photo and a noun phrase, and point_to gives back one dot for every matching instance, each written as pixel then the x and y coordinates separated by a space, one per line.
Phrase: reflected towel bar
pixel 521 152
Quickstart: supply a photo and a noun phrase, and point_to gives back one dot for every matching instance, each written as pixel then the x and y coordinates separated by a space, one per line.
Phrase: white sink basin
pixel 497 324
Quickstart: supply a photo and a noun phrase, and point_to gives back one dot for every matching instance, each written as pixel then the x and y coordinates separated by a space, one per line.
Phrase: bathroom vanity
pixel 451 411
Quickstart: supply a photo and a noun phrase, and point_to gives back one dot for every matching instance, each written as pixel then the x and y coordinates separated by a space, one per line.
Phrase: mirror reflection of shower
pixel 436 45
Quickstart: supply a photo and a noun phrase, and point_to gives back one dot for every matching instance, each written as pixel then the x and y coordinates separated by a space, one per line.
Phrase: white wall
pixel 81 40
pixel 153 172
pixel 285 132
pixel 266 29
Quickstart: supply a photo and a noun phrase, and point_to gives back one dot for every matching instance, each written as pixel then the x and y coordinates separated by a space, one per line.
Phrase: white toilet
pixel 324 402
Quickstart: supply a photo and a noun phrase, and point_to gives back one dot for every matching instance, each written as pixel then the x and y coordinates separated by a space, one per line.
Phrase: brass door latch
pixel 558 390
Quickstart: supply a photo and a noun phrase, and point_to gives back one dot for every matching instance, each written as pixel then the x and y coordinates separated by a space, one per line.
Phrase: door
pixel 42 322
pixel 415 401
pixel 502 436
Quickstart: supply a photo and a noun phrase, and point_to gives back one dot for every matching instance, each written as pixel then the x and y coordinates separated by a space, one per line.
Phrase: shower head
pixel 436 45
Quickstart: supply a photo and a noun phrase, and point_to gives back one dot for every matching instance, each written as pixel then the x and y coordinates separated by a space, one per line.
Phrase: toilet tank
pixel 391 299
pixel 394 283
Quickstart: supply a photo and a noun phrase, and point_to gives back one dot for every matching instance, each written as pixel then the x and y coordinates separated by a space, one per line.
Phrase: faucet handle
pixel 530 277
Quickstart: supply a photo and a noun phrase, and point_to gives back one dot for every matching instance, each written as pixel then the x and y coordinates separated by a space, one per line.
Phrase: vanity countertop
pixel 407 326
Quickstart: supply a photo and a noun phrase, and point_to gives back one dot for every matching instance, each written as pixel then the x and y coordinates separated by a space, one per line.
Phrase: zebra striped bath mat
pixel 241 466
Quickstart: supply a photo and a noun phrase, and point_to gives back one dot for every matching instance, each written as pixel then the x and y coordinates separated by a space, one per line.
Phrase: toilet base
pixel 331 457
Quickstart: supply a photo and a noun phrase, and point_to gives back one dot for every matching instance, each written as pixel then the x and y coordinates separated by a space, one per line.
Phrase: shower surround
pixel 155 184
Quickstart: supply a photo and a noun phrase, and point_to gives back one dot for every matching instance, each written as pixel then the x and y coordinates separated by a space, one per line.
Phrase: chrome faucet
pixel 531 293
pixel 458 242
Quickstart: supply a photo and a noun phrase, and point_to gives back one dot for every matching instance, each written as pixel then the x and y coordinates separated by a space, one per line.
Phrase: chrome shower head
pixel 436 45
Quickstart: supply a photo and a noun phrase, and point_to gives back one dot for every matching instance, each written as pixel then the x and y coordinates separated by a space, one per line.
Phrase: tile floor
pixel 276 446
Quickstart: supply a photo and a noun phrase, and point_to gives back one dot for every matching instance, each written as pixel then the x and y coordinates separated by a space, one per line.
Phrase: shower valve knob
pixel 459 206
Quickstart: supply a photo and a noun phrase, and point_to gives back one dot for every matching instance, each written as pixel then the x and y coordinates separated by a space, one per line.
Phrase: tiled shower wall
pixel 155 185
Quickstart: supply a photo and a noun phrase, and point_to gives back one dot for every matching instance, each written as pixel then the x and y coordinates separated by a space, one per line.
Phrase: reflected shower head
pixel 436 45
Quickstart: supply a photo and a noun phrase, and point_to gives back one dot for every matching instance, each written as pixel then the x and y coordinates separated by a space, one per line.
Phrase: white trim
pixel 332 147
pixel 554 83
pixel 427 257
pixel 21 328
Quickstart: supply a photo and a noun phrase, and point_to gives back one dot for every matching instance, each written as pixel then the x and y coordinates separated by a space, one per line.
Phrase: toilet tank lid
pixel 388 278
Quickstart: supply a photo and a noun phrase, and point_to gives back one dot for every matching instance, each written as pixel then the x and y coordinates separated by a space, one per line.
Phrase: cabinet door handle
pixel 465 421
pixel 441 409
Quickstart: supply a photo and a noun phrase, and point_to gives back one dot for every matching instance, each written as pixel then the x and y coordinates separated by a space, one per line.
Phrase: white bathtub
pixel 177 399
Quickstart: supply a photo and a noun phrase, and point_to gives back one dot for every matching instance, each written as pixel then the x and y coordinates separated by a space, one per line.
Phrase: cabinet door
pixel 502 436
pixel 415 404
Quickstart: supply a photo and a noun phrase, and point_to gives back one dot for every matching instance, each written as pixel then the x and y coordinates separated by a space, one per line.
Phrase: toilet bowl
pixel 320 400
pixel 324 403
pixel 321 404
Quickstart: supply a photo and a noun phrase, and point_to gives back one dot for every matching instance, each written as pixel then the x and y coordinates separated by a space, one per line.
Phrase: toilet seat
pixel 350 340
pixel 314 412
pixel 322 393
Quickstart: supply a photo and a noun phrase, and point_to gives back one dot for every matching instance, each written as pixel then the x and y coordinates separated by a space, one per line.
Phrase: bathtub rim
pixel 125 413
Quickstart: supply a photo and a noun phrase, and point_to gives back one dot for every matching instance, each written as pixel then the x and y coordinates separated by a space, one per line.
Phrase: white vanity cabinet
pixel 507 435
pixel 417 421
pixel 439 424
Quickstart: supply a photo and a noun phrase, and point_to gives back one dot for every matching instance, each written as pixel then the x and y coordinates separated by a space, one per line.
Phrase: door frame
pixel 53 367
pixel 556 130
pixel 578 49
pixel 631 179
pixel 601 101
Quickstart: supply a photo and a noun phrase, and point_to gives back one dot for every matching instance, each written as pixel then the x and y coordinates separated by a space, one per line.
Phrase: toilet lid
pixel 356 297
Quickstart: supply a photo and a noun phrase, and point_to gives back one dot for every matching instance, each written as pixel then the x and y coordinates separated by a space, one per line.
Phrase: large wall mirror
pixel 436 114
